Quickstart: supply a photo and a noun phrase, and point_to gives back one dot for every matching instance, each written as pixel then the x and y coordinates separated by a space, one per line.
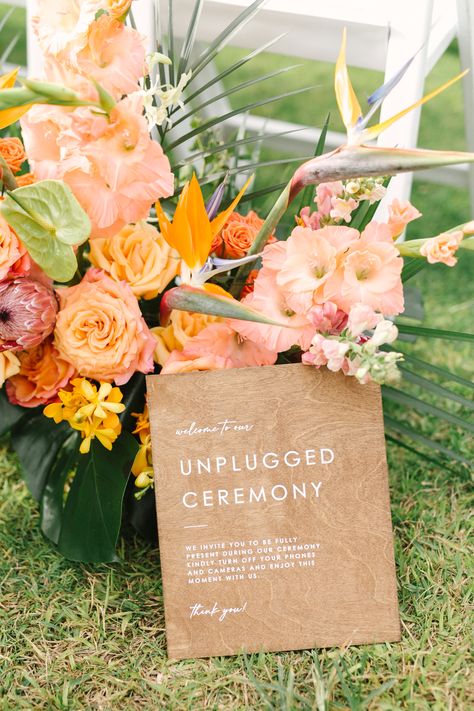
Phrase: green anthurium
pixel 50 222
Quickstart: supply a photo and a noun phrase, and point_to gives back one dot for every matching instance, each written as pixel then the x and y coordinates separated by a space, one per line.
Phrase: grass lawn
pixel 84 637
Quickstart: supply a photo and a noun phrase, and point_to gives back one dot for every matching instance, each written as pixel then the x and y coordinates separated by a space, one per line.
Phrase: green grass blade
pixel 407 431
pixel 434 333
pixel 242 109
pixel 308 192
pixel 234 90
pixel 230 70
pixel 411 401
pixel 442 372
pixel 231 145
pixel 190 38
pixel 412 267
pixel 225 36
pixel 435 388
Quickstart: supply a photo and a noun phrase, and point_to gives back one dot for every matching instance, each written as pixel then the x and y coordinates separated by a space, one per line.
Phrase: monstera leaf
pixel 50 222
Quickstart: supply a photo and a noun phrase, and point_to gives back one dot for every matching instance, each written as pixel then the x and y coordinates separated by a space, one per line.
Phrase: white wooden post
pixel 466 50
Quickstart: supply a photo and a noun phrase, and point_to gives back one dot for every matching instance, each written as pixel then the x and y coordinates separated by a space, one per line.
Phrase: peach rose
pixel 42 373
pixel 25 179
pixel 12 152
pixel 442 248
pixel 139 255
pixel 14 260
pixel 183 326
pixel 239 233
pixel 100 329
pixel 9 365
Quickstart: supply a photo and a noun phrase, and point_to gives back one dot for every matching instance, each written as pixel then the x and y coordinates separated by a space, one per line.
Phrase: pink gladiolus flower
pixel 179 362
pixel 399 215
pixel 442 248
pixel 370 274
pixel 311 260
pixel 27 313
pixel 226 349
pixel 114 56
pixel 269 299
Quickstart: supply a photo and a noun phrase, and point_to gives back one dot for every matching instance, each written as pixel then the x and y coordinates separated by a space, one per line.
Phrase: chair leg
pixel 466 51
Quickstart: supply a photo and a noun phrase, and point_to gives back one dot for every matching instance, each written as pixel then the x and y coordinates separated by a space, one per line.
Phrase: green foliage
pixel 50 221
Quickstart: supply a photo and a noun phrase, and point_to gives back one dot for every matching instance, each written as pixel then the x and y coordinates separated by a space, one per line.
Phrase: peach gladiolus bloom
pixel 114 56
pixel 312 257
pixel 63 24
pixel 269 299
pixel 218 347
pixel 399 215
pixel 442 248
pixel 370 273
pixel 100 329
pixel 42 374
pixel 139 255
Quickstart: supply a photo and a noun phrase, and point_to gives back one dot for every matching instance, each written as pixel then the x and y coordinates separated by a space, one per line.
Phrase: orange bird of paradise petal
pixel 191 233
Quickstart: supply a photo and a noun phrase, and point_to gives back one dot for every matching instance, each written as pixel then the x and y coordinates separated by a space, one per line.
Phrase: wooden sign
pixel 273 511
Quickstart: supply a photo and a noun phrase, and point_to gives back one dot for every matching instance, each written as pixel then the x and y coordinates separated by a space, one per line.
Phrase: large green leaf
pixel 407 400
pixel 10 415
pixel 93 510
pixel 37 442
pixel 50 221
pixel 52 500
pixel 391 424
pixel 434 333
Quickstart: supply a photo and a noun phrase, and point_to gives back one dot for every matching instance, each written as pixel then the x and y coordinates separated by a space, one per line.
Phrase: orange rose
pixel 239 233
pixel 42 374
pixel 9 365
pixel 249 284
pixel 183 325
pixel 14 260
pixel 139 255
pixel 25 179
pixel 12 152
pixel 100 329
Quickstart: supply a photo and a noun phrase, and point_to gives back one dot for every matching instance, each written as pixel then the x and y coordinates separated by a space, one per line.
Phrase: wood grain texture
pixel 343 589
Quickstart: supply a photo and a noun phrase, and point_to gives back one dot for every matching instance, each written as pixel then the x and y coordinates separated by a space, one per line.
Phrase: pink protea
pixel 27 313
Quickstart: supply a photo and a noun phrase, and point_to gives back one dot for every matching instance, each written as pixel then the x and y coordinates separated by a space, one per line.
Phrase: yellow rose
pixel 9 366
pixel 139 255
pixel 183 325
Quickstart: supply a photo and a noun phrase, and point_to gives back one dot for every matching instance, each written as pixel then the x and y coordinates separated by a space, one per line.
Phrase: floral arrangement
pixel 112 266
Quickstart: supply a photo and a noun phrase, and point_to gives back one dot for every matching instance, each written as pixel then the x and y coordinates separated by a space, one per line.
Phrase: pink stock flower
pixel 114 56
pixel 309 219
pixel 219 346
pixel 399 215
pixel 442 248
pixel 311 260
pixel 269 299
pixel 14 259
pixel 100 329
pixel 362 318
pixel 325 351
pixel 325 192
pixel 343 209
pixel 370 274
pixel 327 318
pixel 27 313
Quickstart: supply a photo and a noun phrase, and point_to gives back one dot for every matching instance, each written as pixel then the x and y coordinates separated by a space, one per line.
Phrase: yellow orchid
pixel 349 107
pixel 9 116
pixel 90 410
pixel 192 232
